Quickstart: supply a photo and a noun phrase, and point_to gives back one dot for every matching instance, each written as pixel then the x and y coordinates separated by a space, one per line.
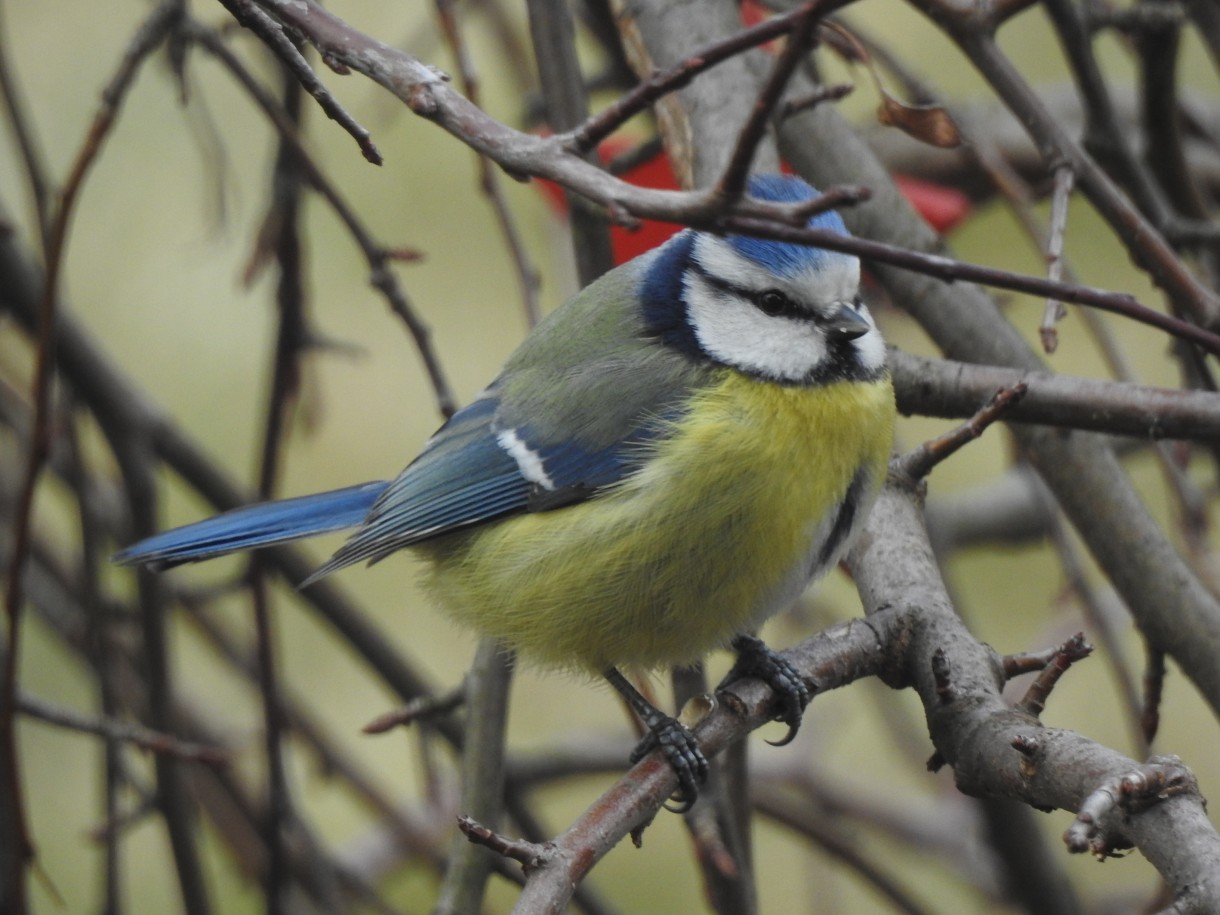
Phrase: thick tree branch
pixel 954 390
pixel 997 750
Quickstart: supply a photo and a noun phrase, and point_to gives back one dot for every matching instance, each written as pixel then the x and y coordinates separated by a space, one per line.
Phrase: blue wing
pixel 464 477
pixel 254 526
pixel 477 469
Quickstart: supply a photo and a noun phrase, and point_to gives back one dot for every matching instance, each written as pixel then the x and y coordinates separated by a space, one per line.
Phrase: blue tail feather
pixel 253 526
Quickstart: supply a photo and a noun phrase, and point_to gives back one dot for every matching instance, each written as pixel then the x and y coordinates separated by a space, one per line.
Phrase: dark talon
pixel 681 751
pixel 672 738
pixel 756 660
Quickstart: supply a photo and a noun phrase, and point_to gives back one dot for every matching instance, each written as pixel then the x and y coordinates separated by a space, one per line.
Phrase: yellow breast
pixel 724 525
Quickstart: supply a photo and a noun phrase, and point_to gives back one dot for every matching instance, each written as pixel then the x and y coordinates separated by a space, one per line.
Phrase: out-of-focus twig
pixel 489 180
pixel 1054 256
pixel 16 849
pixel 124 731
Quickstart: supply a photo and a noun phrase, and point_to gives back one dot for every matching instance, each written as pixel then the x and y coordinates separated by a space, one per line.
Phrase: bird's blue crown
pixel 786 259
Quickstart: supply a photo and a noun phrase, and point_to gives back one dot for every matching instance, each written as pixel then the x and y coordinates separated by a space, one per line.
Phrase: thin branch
pixel 422 708
pixel 282 237
pixel 248 14
pixel 810 100
pixel 15 847
pixel 379 257
pixel 1055 311
pixel 1026 662
pixel 527 274
pixel 553 33
pixel 137 735
pixel 1154 690
pixel 1106 617
pixel 1102 136
pixel 1071 651
pixel 732 182
pixel 487 692
pixel 660 84
pixel 1144 243
pixel 917 464
pixel 948 269
pixel 830 837
pixel 529 854
pixel 101 617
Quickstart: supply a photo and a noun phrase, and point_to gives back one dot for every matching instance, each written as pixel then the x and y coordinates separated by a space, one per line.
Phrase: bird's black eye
pixel 773 302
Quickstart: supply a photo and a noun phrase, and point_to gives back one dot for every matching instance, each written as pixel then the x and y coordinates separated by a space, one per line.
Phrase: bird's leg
pixel 671 737
pixel 756 660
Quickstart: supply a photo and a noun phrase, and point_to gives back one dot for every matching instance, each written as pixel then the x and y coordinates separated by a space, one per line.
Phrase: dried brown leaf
pixel 929 124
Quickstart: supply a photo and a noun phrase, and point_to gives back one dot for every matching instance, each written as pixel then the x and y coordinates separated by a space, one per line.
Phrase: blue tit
pixel 667 460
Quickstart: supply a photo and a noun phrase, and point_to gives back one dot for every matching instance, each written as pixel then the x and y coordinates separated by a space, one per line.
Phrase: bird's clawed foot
pixel 681 750
pixel 755 660
pixel 674 739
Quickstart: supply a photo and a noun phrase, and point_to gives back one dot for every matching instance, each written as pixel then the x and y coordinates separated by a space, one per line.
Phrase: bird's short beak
pixel 846 324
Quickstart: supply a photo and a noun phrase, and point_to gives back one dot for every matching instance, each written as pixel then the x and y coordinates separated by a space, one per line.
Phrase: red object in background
pixel 752 13
pixel 942 207
pixel 654 172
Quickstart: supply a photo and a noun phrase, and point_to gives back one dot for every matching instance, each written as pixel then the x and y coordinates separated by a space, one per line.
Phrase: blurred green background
pixel 157 251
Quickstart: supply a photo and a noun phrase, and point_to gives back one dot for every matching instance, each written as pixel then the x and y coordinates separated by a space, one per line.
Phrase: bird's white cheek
pixel 870 350
pixel 736 333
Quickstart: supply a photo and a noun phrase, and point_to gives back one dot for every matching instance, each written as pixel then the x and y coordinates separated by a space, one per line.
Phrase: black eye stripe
pixel 771 302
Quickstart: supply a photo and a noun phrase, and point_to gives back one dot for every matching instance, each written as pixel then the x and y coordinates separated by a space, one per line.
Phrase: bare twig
pixel 918 463
pixel 647 92
pixel 733 180
pixel 1071 651
pixel 530 854
pixel 422 708
pixel 1096 828
pixel 1106 620
pixel 946 268
pixel 487 691
pixel 822 94
pixel 1054 256
pixel 15 847
pixel 1154 688
pixel 282 237
pixel 489 181
pixel 838 842
pixel 379 257
pixel 1027 662
pixel 248 14
pixel 123 731
pixel 563 90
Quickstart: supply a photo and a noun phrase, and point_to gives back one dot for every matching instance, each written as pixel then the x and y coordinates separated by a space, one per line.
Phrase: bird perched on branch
pixel 667 460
